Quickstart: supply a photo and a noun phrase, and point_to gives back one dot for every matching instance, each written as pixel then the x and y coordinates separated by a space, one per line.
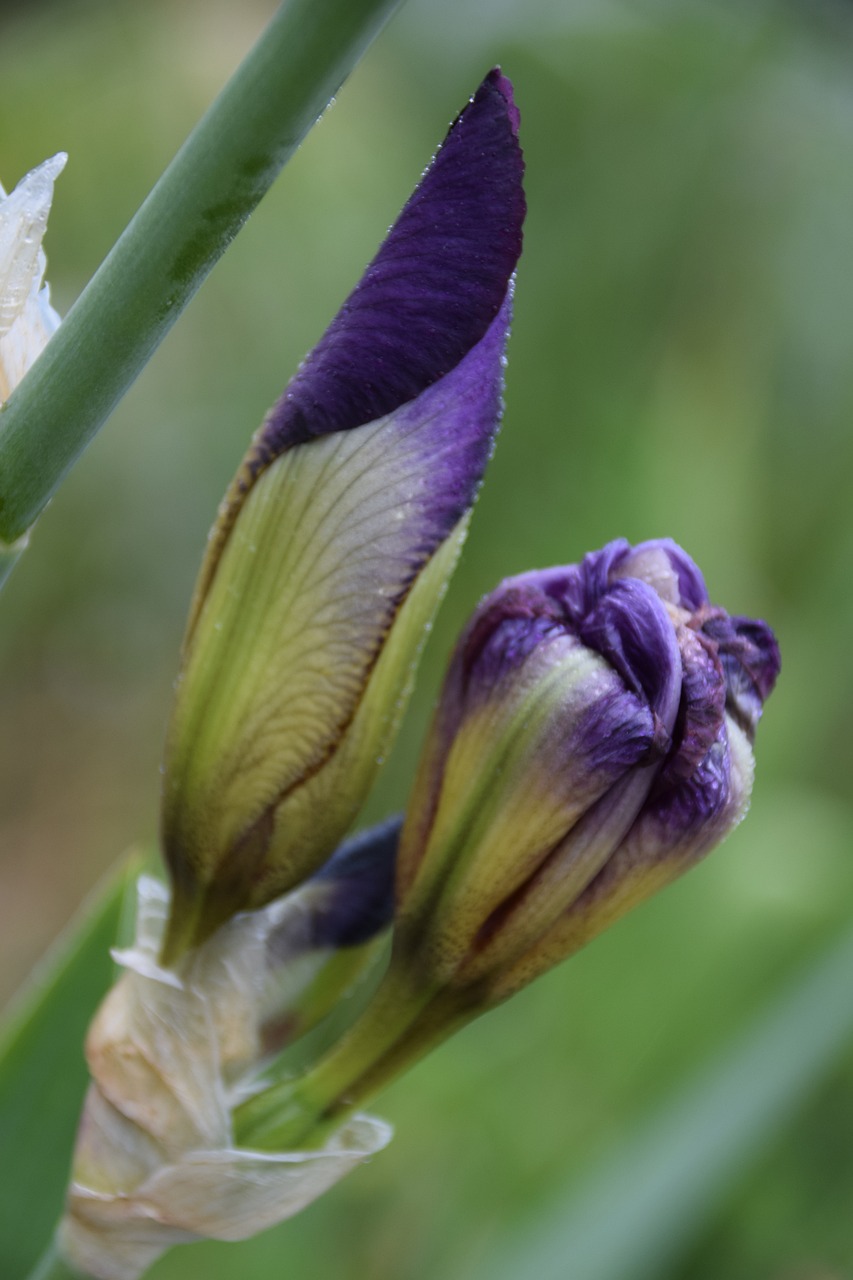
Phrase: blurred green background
pixel 680 365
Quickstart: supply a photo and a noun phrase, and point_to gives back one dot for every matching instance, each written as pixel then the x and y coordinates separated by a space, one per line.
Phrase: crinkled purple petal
pixel 432 291
pixel 598 568
pixel 623 620
pixel 686 815
pixel 687 589
pixel 631 629
pixel 615 732
pixel 618 733
pixel 750 658
pixel 675 827
pixel 579 587
pixel 703 702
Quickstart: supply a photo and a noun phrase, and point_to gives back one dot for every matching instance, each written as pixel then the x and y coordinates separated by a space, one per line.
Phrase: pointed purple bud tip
pixel 749 655
pixel 431 293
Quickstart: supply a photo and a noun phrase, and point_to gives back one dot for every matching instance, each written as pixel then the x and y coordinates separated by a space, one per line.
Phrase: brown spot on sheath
pixel 243 864
pixel 198 908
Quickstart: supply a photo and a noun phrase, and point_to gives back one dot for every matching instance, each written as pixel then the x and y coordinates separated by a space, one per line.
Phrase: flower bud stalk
pixel 405 1020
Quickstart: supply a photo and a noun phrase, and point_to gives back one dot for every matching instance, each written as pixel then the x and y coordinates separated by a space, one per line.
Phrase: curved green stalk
pixel 186 223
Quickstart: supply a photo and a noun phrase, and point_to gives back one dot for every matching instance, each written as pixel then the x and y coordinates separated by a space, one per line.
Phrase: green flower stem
pixel 402 1023
pixel 283 1116
pixel 51 1266
pixel 187 222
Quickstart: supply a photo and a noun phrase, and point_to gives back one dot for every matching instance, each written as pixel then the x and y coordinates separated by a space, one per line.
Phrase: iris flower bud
pixel 592 741
pixel 336 540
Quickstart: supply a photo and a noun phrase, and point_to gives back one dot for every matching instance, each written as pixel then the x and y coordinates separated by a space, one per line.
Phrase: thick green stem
pixel 404 1021
pixel 285 1115
pixel 51 1266
pixel 187 222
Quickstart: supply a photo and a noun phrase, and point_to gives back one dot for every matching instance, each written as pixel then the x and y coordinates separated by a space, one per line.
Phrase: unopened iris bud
pixel 337 538
pixel 592 741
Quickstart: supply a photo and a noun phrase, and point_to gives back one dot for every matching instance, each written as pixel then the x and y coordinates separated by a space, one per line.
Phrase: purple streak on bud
pixel 675 828
pixel 703 701
pixel 621 617
pixel 519 620
pixel 432 291
pixel 456 420
pixel 506 629
pixel 679 813
pixel 517 630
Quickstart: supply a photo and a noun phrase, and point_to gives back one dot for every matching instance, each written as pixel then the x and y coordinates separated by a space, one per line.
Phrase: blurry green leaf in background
pixel 43 1073
pixel 681 365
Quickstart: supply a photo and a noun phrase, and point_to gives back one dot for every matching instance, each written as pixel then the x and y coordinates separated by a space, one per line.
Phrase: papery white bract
pixel 155 1163
pixel 27 319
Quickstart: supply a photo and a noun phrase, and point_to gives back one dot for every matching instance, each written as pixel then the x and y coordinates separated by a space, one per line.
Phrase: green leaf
pixel 645 1204
pixel 43 1075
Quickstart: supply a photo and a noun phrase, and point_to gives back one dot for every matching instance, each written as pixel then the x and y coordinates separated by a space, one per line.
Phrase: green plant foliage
pixel 634 1214
pixel 43 1075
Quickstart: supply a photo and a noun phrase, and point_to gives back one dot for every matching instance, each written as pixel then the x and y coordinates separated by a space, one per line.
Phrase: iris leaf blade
pixel 43 1074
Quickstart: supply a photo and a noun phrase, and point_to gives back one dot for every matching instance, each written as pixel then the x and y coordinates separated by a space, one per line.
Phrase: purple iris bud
pixel 592 740
pixel 335 543
pixel 328 935
pixel 350 900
